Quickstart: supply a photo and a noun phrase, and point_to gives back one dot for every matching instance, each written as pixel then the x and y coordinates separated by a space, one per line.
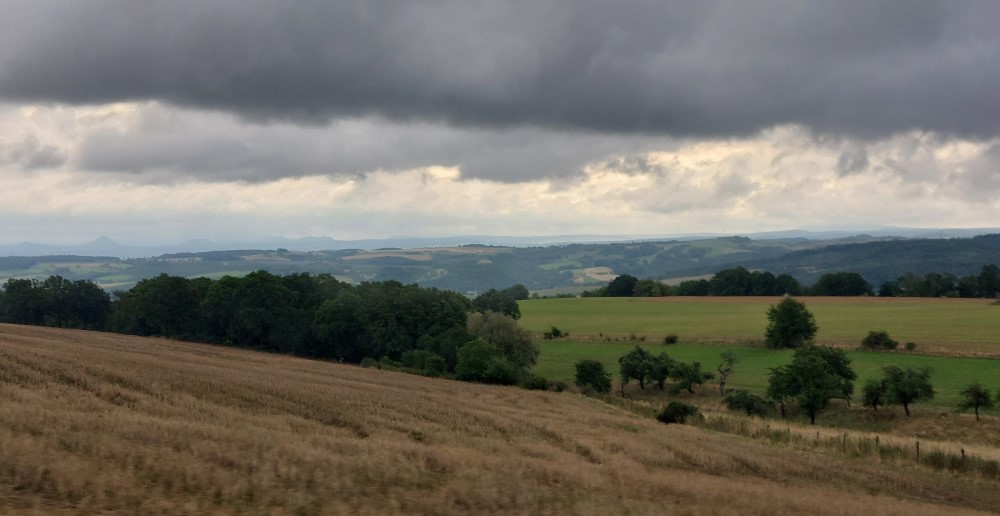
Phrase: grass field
pixel 969 327
pixel 99 423
pixel 949 376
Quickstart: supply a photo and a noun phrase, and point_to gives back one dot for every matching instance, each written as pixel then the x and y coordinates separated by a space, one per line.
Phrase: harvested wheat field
pixel 93 422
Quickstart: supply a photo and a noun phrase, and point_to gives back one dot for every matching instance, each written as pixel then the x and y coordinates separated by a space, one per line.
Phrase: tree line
pixel 739 281
pixel 316 316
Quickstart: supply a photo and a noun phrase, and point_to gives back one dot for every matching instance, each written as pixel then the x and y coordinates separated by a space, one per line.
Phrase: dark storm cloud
pixel 733 67
pixel 164 145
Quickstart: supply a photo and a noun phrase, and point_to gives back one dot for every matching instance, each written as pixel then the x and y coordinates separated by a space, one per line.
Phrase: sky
pixel 161 121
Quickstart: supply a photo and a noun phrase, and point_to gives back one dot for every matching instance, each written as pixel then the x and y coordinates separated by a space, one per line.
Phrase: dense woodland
pixel 301 314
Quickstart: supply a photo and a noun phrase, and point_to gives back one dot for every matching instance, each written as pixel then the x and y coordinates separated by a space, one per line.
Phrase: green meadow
pixel 959 339
pixel 950 374
pixel 967 327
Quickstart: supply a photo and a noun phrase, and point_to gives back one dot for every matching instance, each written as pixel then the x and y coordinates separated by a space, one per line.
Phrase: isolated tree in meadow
pixel 659 369
pixel 790 325
pixel 686 376
pixel 906 386
pixel 590 373
pixel 780 386
pixel 634 365
pixel 874 393
pixel 975 396
pixel 814 377
pixel 725 369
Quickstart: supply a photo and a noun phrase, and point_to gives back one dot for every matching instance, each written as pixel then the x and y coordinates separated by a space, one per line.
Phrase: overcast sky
pixel 160 121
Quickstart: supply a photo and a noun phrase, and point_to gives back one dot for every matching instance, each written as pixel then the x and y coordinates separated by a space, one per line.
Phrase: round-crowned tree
pixel 790 325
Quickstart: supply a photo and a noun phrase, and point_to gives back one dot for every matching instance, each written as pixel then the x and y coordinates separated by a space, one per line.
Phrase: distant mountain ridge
pixel 105 246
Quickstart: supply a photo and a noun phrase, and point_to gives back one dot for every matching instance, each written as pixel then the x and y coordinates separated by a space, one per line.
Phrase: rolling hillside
pixel 94 422
pixel 885 261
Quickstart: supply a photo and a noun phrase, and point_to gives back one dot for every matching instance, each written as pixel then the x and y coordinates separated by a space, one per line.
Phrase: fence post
pixel 918 451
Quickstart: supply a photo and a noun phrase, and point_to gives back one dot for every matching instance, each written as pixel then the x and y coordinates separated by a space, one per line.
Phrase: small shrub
pixel 670 339
pixel 502 372
pixel 744 400
pixel 388 363
pixel 534 382
pixel 910 346
pixel 369 362
pixel 435 365
pixel 559 386
pixel 415 358
pixel 878 340
pixel 676 412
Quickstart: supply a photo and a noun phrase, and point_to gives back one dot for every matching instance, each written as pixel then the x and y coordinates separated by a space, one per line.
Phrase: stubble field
pixel 93 422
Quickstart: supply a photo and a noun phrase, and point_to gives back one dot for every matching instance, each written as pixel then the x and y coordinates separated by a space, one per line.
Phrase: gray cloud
pixel 979 179
pixel 164 145
pixel 852 160
pixel 727 67
pixel 31 154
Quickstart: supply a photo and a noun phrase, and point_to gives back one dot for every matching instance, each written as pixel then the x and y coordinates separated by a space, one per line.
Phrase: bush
pixel 590 373
pixel 554 333
pixel 534 382
pixel 910 346
pixel 502 372
pixel 559 386
pixel 388 363
pixel 474 358
pixel 415 358
pixel 676 412
pixel 369 362
pixel 435 365
pixel 670 339
pixel 741 399
pixel 879 340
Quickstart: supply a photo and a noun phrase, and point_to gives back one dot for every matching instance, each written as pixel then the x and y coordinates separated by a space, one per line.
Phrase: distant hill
pixel 884 261
pixel 106 246
pixel 481 266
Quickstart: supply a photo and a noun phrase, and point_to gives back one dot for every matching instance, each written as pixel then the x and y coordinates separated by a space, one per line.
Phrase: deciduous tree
pixel 907 386
pixel 790 325
pixel 975 397
pixel 590 373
